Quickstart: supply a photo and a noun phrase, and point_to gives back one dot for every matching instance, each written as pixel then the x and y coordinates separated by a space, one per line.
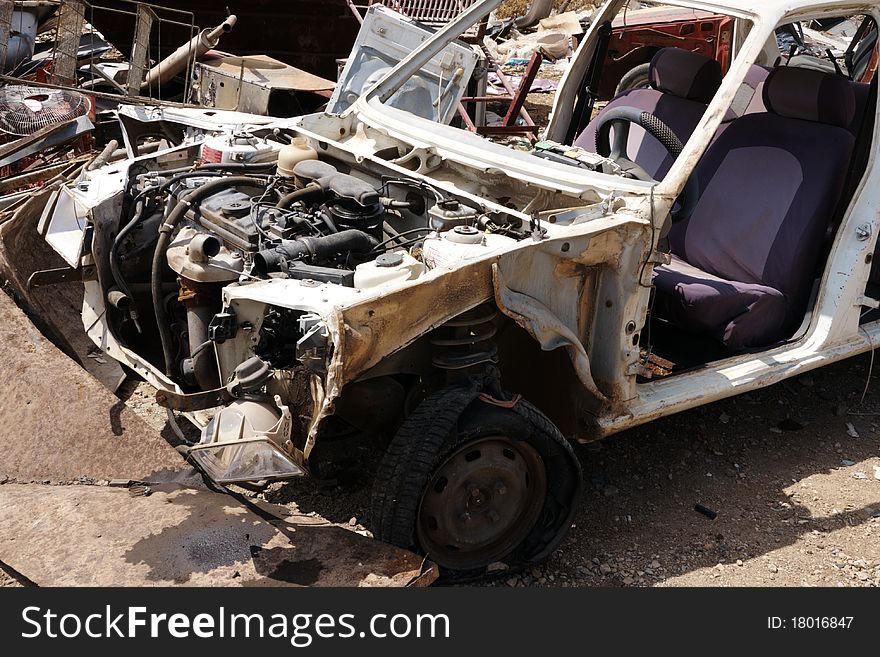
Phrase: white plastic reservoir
pixel 460 245
pixel 392 267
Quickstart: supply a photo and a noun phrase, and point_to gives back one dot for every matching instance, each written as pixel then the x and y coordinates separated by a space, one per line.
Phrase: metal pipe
pixel 177 61
pixel 104 157
pixel 119 300
pixel 202 360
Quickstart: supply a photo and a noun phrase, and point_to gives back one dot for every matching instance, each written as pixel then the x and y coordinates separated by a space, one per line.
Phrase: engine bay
pixel 267 209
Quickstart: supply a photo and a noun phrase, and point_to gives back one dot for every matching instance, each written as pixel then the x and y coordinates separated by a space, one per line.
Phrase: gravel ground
pixel 791 472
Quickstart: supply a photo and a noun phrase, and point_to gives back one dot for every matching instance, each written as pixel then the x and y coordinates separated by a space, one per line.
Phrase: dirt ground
pixel 792 472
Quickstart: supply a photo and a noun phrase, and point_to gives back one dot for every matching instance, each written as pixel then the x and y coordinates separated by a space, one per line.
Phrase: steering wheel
pixel 620 119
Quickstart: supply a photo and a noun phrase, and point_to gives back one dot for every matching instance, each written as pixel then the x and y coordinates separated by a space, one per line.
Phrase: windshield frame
pixel 470 150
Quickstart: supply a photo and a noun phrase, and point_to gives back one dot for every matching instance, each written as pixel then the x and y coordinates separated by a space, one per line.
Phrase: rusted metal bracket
pixel 198 401
pixel 46 277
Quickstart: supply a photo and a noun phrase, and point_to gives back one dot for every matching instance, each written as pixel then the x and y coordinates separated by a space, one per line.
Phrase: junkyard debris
pixel 709 513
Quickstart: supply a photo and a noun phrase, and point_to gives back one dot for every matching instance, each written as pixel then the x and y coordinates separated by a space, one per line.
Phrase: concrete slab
pixel 101 536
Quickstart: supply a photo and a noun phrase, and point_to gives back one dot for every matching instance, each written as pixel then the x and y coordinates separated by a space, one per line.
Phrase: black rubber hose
pixel 302 194
pixel 319 248
pixel 168 226
pixel 208 169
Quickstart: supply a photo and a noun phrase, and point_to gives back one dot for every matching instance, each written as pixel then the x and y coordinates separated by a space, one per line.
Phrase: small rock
pixel 851 430
pixel 724 418
pixel 877 472
pixel 512 582
pixel 353 522
pixel 655 564
pixel 862 576
pixel 859 475
pixel 497 566
pixel 739 562
pixel 605 569
pixel 628 581
pixel 773 568
pixel 847 463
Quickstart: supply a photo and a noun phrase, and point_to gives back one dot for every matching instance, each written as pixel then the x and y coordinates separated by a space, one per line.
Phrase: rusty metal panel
pixel 100 536
pixel 60 422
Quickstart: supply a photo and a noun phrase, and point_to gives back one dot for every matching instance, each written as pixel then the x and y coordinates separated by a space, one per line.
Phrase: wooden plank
pixel 5 29
pixel 140 50
pixel 70 27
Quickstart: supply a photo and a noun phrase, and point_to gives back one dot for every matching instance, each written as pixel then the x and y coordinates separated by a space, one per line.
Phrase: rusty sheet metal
pixel 265 71
pixel 100 536
pixel 59 422
pixel 377 328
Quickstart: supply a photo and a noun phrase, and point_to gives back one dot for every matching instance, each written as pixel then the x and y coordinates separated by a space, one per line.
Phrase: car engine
pixel 264 218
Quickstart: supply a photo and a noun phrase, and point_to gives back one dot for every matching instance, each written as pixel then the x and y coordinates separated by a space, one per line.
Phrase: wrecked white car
pixel 470 308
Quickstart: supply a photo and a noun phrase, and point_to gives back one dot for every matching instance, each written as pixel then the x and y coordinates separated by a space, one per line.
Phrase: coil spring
pixel 467 340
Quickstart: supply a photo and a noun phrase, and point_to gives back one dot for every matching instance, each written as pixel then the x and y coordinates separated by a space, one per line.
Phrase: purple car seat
pixel 682 84
pixel 745 260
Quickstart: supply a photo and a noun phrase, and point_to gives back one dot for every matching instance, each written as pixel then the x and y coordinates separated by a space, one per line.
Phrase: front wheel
pixel 476 486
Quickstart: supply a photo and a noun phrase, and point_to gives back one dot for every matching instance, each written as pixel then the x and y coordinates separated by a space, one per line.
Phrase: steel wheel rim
pixel 481 502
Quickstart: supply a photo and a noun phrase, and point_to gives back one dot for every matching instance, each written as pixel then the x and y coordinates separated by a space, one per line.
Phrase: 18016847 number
pixel 820 622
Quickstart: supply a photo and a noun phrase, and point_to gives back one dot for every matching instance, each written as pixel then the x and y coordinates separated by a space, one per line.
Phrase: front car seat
pixel 744 262
pixel 682 84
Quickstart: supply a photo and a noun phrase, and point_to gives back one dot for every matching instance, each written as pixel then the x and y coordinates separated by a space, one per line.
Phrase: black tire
pixel 445 427
pixel 635 78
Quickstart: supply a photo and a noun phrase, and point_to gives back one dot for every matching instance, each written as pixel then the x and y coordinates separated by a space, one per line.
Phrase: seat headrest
pixel 810 95
pixel 685 74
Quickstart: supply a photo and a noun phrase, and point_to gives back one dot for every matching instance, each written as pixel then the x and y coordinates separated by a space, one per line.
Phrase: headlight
pixel 249 459
pixel 242 443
